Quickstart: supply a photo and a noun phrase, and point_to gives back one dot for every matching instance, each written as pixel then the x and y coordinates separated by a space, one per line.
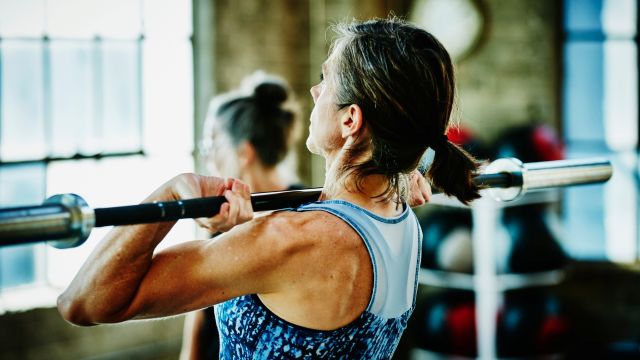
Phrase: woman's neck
pixel 262 179
pixel 365 193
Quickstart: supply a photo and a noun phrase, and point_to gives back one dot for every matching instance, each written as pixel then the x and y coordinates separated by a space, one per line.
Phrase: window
pixel 601 118
pixel 96 98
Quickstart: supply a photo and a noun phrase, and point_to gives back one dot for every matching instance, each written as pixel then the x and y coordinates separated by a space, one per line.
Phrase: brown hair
pixel 259 113
pixel 402 79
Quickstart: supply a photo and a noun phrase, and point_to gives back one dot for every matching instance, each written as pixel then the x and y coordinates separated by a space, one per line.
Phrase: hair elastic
pixel 439 142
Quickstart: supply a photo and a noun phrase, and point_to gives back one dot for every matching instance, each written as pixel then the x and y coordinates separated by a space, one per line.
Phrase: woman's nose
pixel 314 92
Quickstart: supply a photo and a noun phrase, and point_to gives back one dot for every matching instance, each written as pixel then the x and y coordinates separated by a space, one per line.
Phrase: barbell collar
pixel 81 220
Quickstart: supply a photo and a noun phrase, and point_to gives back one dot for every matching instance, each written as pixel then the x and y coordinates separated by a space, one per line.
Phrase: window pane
pixel 118 18
pixel 583 91
pixel 22 128
pixel 621 95
pixel 102 184
pixel 72 98
pixel 167 19
pixel 168 110
pixel 583 15
pixel 621 208
pixel 619 17
pixel 17 265
pixel 89 18
pixel 22 18
pixel 71 18
pixel 20 185
pixel 121 115
pixel 584 219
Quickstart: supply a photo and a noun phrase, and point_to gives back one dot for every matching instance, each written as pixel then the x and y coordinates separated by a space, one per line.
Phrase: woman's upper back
pixel 392 250
pixel 351 296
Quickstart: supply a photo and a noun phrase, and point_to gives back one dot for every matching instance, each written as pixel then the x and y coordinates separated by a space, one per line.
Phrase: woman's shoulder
pixel 303 228
pixel 296 221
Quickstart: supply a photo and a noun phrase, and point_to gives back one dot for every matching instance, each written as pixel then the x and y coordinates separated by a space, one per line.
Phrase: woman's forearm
pixel 110 277
pixel 118 282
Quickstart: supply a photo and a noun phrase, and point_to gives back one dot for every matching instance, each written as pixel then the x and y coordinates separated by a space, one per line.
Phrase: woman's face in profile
pixel 324 133
pixel 221 158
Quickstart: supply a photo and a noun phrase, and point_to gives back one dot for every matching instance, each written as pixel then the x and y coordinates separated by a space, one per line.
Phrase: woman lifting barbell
pixel 330 279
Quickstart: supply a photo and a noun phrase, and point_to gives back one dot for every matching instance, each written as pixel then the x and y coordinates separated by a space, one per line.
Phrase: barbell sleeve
pixel 547 174
pixel 66 220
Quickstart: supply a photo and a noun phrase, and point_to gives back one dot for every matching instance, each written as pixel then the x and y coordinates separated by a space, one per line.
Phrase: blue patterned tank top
pixel 249 330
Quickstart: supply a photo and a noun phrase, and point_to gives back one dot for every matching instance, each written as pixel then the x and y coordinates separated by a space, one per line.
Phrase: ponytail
pixel 403 79
pixel 453 171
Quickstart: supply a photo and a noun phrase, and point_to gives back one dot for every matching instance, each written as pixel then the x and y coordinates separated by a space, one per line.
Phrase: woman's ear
pixel 210 164
pixel 246 154
pixel 352 121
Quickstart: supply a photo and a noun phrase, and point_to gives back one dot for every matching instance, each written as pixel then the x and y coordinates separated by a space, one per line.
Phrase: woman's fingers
pixel 425 188
pixel 234 207
pixel 190 186
pixel 245 210
pixel 420 191
pixel 235 211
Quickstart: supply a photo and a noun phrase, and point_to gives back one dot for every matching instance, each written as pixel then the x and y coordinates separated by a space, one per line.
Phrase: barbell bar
pixel 66 220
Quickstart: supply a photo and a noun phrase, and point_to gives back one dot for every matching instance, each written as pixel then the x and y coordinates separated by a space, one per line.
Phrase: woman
pixel 248 132
pixel 247 135
pixel 331 279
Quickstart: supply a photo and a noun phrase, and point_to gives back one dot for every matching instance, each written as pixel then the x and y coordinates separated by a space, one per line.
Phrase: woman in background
pixel 247 135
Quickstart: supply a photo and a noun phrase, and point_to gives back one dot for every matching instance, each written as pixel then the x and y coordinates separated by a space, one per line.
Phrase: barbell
pixel 66 220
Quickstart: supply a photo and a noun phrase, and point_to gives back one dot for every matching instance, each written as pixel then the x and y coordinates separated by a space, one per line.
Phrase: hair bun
pixel 270 93
pixel 267 90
